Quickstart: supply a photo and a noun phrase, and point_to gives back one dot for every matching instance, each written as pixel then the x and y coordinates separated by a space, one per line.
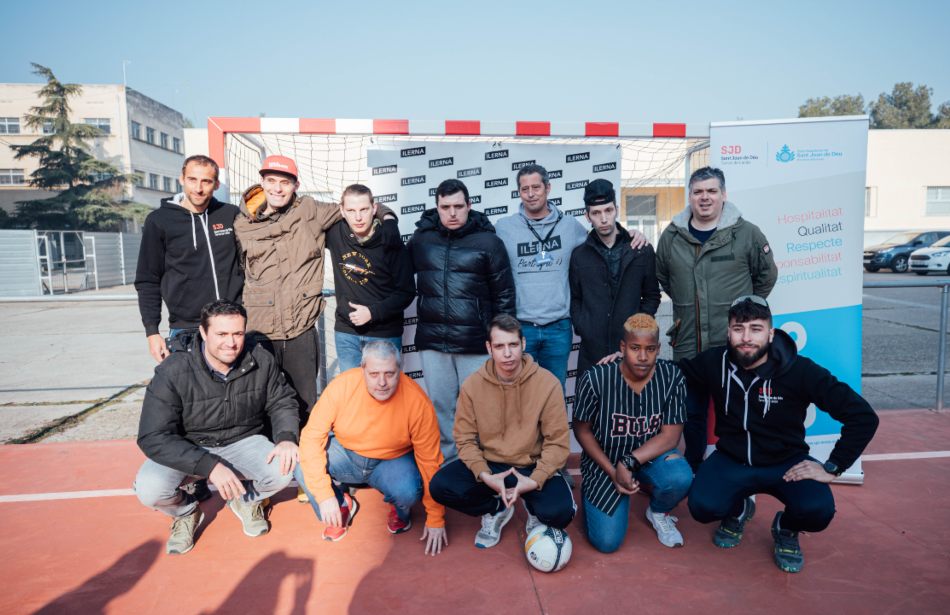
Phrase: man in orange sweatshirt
pixel 373 425
pixel 512 436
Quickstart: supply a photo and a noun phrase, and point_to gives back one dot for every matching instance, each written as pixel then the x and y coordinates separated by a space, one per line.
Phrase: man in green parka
pixel 707 256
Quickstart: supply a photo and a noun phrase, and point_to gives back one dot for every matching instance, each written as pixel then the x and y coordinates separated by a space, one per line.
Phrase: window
pixel 167 184
pixel 176 144
pixel 11 177
pixel 104 124
pixel 164 141
pixel 938 200
pixel 138 178
pixel 48 127
pixel 150 135
pixel 641 214
pixel 177 186
pixel 136 131
pixel 153 181
pixel 10 125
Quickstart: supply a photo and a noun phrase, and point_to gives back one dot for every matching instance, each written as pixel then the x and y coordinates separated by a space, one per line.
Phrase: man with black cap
pixel 610 281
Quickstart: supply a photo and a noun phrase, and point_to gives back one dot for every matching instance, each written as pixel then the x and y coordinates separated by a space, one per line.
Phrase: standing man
pixel 282 237
pixel 707 256
pixel 463 280
pixel 609 280
pixel 628 418
pixel 373 425
pixel 373 280
pixel 203 416
pixel 762 389
pixel 187 257
pixel 512 435
pixel 540 239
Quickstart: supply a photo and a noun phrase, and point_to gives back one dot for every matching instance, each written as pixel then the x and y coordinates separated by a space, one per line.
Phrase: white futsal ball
pixel 548 549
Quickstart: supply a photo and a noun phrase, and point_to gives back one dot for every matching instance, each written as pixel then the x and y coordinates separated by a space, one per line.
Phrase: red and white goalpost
pixel 646 161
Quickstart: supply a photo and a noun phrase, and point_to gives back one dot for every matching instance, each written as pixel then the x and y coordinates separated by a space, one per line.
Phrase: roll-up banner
pixel 802 182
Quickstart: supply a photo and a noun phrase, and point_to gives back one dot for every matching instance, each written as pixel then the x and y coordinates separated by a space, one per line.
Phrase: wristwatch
pixel 631 463
pixel 832 468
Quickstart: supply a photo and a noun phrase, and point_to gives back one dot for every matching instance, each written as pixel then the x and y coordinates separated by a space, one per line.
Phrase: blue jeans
pixel 157 486
pixel 397 479
pixel 349 347
pixel 668 482
pixel 550 345
pixel 722 483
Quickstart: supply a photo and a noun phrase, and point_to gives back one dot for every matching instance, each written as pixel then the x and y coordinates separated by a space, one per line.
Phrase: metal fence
pixel 35 263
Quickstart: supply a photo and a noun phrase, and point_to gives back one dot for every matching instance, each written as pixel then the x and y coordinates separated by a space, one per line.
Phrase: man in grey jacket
pixel 540 239
pixel 203 416
pixel 706 257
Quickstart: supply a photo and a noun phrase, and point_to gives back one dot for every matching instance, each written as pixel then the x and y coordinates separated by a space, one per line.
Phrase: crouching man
pixel 762 388
pixel 373 425
pixel 512 437
pixel 628 418
pixel 203 416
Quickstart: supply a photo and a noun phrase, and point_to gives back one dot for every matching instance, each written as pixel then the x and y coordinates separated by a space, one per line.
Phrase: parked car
pixel 894 254
pixel 935 258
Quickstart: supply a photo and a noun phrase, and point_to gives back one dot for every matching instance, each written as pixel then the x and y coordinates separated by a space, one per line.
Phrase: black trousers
pixel 456 487
pixel 299 359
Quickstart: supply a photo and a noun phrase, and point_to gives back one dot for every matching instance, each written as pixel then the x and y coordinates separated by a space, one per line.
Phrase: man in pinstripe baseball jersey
pixel 628 418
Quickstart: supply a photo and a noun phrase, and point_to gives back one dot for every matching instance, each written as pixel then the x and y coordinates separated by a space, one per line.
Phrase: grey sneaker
pixel 490 533
pixel 182 537
pixel 532 521
pixel 251 515
pixel 665 526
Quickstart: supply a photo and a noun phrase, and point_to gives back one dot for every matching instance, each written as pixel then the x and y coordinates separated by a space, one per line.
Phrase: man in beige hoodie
pixel 512 436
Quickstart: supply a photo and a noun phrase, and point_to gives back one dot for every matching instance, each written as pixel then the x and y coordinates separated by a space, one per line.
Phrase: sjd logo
pixel 785 154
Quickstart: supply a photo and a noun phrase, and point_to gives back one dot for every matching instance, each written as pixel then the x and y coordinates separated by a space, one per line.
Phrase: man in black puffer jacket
pixel 463 280
pixel 203 416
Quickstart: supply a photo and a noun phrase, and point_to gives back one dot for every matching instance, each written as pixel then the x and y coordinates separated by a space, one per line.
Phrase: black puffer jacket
pixel 186 409
pixel 463 280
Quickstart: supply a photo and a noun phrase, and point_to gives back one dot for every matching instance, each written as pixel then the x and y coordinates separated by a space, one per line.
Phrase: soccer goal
pixel 402 161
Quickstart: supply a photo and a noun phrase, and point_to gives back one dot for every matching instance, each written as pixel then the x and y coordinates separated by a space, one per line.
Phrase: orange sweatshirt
pixel 519 424
pixel 371 428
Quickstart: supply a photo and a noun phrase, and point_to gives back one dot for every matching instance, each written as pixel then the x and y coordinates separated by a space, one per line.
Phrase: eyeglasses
pixel 753 298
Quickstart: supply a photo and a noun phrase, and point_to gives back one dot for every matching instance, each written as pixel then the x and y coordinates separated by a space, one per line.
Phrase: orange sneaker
pixel 348 510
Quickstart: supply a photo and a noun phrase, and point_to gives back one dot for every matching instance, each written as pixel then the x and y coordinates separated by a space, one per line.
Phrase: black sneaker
pixel 729 532
pixel 788 553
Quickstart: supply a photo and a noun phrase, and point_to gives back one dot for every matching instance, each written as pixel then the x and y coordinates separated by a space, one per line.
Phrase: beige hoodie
pixel 517 424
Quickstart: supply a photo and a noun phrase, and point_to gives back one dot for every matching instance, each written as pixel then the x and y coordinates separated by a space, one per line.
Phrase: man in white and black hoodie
pixel 187 257
pixel 762 389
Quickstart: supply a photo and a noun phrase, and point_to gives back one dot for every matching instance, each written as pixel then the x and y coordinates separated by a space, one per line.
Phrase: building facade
pixel 139 135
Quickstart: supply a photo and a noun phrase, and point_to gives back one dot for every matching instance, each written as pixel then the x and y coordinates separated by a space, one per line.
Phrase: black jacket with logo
pixel 760 414
pixel 598 307
pixel 186 409
pixel 187 260
pixel 463 280
pixel 377 274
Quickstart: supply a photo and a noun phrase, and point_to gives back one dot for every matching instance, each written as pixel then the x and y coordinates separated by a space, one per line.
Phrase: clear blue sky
pixel 563 61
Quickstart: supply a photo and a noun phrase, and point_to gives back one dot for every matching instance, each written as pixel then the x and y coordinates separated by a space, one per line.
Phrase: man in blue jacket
pixel 761 388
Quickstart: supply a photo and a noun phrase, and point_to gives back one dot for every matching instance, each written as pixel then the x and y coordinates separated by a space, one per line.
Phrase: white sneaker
pixel 532 521
pixel 490 533
pixel 665 526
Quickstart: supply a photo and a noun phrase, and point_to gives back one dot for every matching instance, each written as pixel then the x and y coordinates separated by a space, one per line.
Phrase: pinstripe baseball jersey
pixel 623 420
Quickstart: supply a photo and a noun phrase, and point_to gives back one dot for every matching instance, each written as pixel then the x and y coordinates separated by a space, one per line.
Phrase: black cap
pixel 598 192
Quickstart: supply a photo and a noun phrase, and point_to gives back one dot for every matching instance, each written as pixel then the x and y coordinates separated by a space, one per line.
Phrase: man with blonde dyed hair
pixel 628 418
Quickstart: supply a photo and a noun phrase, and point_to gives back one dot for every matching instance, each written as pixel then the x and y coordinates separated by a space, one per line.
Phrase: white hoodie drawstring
pixel 204 223
pixel 194 237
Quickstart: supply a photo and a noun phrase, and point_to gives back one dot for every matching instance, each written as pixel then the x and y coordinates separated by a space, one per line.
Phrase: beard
pixel 746 359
